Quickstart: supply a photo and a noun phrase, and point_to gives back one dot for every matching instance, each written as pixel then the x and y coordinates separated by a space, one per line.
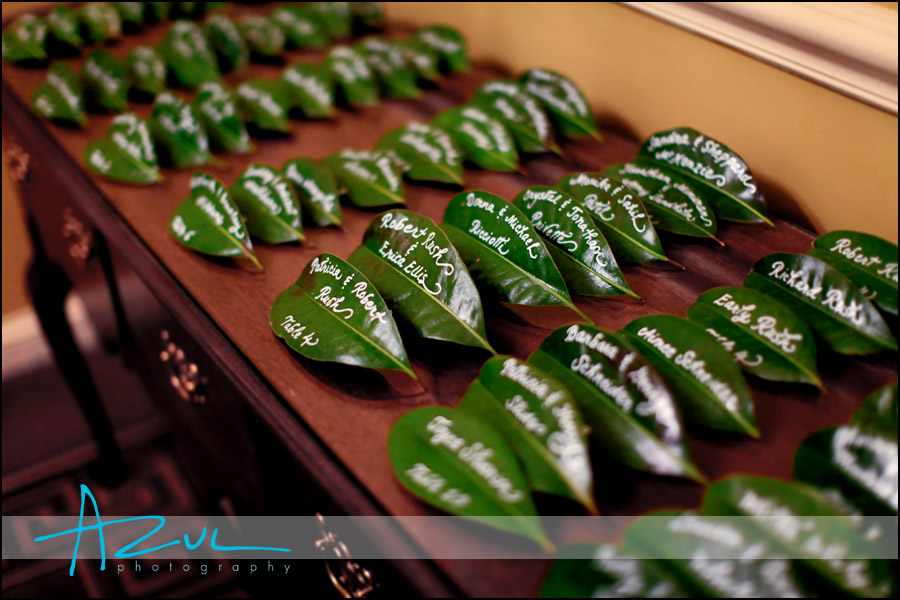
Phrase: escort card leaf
pixel 146 71
pixel 189 10
pixel 226 41
pixel 421 276
pixel 60 98
pixel 105 86
pixel 99 22
pixel 188 55
pixel 334 313
pixel 368 15
pixel 618 212
pixel 722 175
pixel 461 465
pixel 508 101
pixel 157 12
pixel 352 75
pixel 424 153
pixel 541 422
pixel 449 44
pixel 630 409
pixel 674 202
pixel 25 40
pixel 301 29
pixel 422 58
pixel 131 14
pixel 267 202
pixel 387 61
pixel 63 30
pixel 179 136
pixel 485 141
pixel 217 110
pixel 126 154
pixel 367 177
pixel 504 253
pixel 710 388
pixel 263 36
pixel 264 104
pixel 568 108
pixel 316 188
pixel 879 411
pixel 576 244
pixel 208 221
pixel 765 337
pixel 869 261
pixel 311 90
pixel 335 17
pixel 835 308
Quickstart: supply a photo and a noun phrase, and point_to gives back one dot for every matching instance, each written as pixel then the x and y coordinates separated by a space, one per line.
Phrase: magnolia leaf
pixel 485 141
pixel 316 188
pixel 300 28
pixel 836 310
pixel 227 42
pixel 424 153
pixel 387 61
pixel 60 98
pixel 520 112
pixel 146 71
pixel 369 15
pixel 190 58
pixel 765 337
pixel 24 41
pixel 352 76
pixel 264 105
pixel 334 313
pixel 421 276
pixel 217 110
pixel 618 212
pixel 576 244
pixel 104 81
pixel 126 154
pixel 100 22
pixel 627 404
pixel 63 29
pixel 188 10
pixel 311 90
pixel 178 135
pixel 541 422
pixel 568 108
pixel 449 44
pixel 422 58
pixel 335 18
pixel 131 14
pixel 879 411
pixel 263 36
pixel 710 388
pixel 157 12
pixel 367 177
pixel 267 202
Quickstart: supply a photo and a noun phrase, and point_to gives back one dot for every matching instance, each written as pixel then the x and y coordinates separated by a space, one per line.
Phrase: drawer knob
pixel 184 375
pixel 347 576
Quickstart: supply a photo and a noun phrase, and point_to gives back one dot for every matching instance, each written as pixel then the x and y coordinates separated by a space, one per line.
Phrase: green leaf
pixel 674 202
pixel 301 29
pixel 504 253
pixel 208 221
pixel 485 141
pixel 316 188
pixel 126 153
pixel 618 212
pixel 146 71
pixel 226 41
pixel 836 310
pixel 422 58
pixel 722 175
pixel 520 112
pixel 264 104
pixel 627 404
pixel 335 17
pixel 179 136
pixel 156 12
pixel 311 89
pixel 367 177
pixel 765 337
pixel 63 30
pixel 99 22
pixel 370 15
pixel 424 153
pixel 25 40
pixel 710 389
pixel 395 78
pixel 267 202
pixel 461 465
pixel 418 271
pixel 188 55
pixel 217 110
pixel 576 244
pixel 334 313
pixel 131 14
pixel 449 44
pixel 352 75
pixel 541 422
pixel 188 10
pixel 60 97
pixel 105 85
pixel 568 108
pixel 879 411
pixel 869 261
pixel 263 36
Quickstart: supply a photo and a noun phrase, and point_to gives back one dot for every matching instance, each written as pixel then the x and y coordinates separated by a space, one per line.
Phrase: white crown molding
pixel 849 47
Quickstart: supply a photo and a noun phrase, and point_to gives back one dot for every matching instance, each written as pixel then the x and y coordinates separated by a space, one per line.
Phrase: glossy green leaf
pixel 627 404
pixel 568 108
pixel 674 202
pixel 352 76
pixel 387 61
pixel 370 15
pixel 508 101
pixel 449 44
pixel 268 204
pixel 188 10
pixel 485 141
pixel 25 40
pixel 710 388
pixel 576 244
pixel 367 177
pixel 178 134
pixel 264 105
pixel 418 271
pixel 60 98
pixel 189 57
pixel 316 188
pixel 301 29
pixel 126 154
pixel 765 337
pixel 311 90
pixel 461 465
pixel 146 71
pixel 869 261
pixel 63 30
pixel 879 411
pixel 335 17
pixel 131 14
pixel 722 175
pixel 208 221
pixel 104 81
pixel 422 58
pixel 835 308
pixel 541 422
pixel 157 12
pixel 504 253
pixel 217 110
pixel 334 313
pixel 263 36
pixel 99 22
pixel 227 42
pixel 424 153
